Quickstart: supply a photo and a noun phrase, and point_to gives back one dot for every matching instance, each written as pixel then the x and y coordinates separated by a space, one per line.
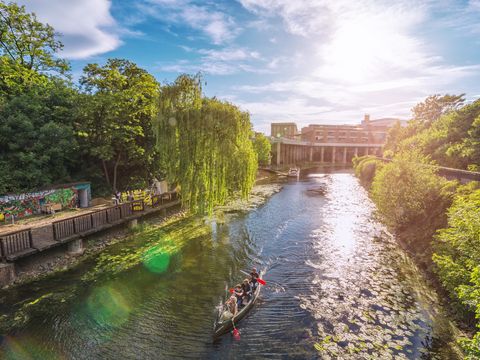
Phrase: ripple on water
pixel 337 289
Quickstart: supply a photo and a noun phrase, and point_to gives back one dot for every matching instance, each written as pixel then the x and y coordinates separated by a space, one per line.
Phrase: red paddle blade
pixel 261 281
pixel 236 334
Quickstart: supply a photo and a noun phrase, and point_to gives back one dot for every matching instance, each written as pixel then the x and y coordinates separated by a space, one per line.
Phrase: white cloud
pixel 87 26
pixel 361 56
pixel 215 24
pixel 226 61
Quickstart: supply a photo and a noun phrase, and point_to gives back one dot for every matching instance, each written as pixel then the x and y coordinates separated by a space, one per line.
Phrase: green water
pixel 338 286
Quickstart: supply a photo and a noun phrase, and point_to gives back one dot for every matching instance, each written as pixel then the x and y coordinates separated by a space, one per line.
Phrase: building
pixel 329 143
pixel 286 130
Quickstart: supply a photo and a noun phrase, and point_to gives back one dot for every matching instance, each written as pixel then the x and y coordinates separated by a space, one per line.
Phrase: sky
pixel 303 61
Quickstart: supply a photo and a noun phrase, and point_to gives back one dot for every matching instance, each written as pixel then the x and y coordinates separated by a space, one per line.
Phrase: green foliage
pixel 366 167
pixel 27 42
pixel 37 140
pixel 115 119
pixel 205 144
pixel 451 140
pixel 457 257
pixel 262 147
pixel 434 106
pixel 407 190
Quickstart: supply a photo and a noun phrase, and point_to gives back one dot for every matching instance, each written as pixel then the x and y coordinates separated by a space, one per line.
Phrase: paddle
pixel 261 281
pixel 236 333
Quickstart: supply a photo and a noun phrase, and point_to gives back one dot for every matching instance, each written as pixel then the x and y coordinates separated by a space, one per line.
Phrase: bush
pixel 457 257
pixel 366 167
pixel 407 191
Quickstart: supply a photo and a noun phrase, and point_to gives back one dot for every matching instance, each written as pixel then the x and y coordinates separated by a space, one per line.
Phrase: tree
pixel 205 144
pixel 26 41
pixel 37 141
pixel 115 117
pixel 434 106
pixel 262 147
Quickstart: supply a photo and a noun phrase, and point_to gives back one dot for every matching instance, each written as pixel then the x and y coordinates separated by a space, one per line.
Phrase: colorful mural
pixel 66 197
pixel 20 205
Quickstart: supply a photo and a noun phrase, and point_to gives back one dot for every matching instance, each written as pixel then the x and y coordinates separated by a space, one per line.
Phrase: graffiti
pixel 31 203
pixel 18 208
pixel 66 197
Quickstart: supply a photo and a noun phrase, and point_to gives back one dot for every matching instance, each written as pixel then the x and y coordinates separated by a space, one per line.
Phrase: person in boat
pixel 239 294
pixel 254 275
pixel 231 309
pixel 247 290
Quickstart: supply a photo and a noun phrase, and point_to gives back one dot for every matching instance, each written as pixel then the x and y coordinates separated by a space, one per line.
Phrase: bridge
pixel 288 151
pixel 328 143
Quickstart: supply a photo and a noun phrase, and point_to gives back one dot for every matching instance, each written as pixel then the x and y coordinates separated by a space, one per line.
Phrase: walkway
pixel 37 236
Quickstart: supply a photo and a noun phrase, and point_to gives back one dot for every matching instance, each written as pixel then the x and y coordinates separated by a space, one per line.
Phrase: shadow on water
pixel 337 286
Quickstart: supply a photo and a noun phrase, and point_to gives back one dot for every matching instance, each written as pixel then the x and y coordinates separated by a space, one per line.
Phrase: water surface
pixel 338 287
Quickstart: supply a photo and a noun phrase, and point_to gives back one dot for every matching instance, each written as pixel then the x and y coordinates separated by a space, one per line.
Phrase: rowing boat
pixel 222 327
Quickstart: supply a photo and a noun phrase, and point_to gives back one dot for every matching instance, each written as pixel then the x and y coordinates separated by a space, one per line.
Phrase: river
pixel 338 286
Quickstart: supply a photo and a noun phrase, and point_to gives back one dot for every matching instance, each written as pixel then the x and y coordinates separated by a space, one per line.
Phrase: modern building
pixel 329 143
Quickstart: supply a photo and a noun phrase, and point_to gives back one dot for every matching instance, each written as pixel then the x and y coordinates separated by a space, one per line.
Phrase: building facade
pixel 328 143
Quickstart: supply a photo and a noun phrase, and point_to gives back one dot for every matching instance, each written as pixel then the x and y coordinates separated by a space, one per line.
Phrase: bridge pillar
pixel 345 155
pixel 75 247
pixel 7 274
pixel 356 151
pixel 322 154
pixel 333 154
pixel 311 154
pixel 279 151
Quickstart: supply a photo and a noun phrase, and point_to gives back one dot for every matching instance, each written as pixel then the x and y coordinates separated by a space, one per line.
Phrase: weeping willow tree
pixel 205 144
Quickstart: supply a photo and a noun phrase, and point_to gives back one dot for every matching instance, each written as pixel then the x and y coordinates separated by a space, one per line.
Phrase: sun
pixel 365 47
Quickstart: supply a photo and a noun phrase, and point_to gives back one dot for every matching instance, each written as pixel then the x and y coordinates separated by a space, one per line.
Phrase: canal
pixel 338 286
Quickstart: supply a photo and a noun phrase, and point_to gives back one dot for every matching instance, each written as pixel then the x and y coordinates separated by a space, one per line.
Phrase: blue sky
pixel 307 61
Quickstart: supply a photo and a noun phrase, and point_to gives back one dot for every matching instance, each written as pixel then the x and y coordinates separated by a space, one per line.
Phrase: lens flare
pixel 25 348
pixel 107 306
pixel 156 259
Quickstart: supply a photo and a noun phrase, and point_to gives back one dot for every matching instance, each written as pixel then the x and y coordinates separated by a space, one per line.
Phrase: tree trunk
pixel 105 170
pixel 115 173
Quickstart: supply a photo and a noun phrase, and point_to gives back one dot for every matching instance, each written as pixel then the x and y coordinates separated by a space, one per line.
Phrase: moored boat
pixel 222 327
pixel 293 172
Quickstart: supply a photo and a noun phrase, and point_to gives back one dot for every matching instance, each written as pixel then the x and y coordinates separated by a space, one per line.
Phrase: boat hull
pixel 226 326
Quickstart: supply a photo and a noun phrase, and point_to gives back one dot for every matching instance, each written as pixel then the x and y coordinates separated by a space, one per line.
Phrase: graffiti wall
pixel 20 205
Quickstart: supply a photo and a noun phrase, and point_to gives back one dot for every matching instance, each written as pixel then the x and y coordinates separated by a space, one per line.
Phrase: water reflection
pixel 338 288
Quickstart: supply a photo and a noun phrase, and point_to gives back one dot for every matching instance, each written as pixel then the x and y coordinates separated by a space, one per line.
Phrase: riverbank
pixel 417 206
pixel 58 260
